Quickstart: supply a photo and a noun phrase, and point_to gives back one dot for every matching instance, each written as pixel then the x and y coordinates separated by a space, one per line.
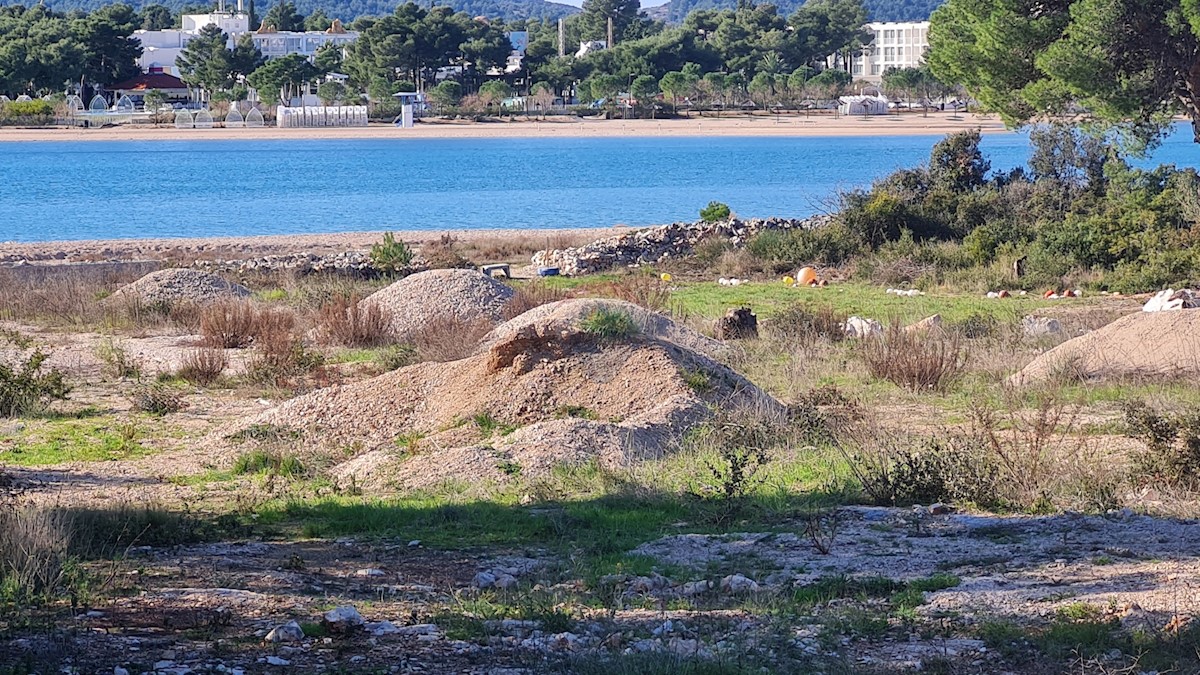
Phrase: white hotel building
pixel 896 45
pixel 160 48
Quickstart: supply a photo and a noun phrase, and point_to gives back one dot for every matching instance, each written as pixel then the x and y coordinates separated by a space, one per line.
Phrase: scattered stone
pixel 380 628
pixel 420 629
pixel 464 295
pixel 506 581
pixel 369 572
pixel 737 583
pixel 288 632
pixel 940 509
pixel 351 264
pixel 860 328
pixel 484 580
pixel 695 588
pixel 343 619
pixel 118 670
pixel 414 543
pixel 1040 326
pixel 171 286
pixel 276 661
pixel 737 324
pixel 924 325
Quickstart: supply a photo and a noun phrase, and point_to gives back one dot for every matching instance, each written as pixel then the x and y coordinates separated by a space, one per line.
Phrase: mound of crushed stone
pixel 456 293
pixel 171 286
pixel 1145 345
pixel 538 393
pixel 566 316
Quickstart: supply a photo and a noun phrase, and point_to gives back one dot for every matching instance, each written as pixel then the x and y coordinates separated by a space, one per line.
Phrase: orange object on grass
pixel 807 276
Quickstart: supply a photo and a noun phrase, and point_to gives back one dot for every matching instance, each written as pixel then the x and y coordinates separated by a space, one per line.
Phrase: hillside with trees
pixel 877 10
pixel 348 10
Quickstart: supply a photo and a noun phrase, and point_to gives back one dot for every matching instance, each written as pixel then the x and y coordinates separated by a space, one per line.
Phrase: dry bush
pixel 646 290
pixel 449 338
pixel 279 354
pixel 65 298
pixel 515 247
pixel 530 295
pixel 203 365
pixel 797 322
pixel 444 254
pixel 34 545
pixel 229 324
pixel 156 399
pixel 920 361
pixel 346 321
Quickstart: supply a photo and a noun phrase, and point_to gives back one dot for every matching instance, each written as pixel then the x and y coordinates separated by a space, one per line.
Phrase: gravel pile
pixel 1145 346
pixel 172 286
pixel 538 393
pixel 567 316
pixel 457 293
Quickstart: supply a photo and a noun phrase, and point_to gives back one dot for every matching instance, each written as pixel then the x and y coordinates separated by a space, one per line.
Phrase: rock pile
pixel 1171 299
pixel 664 242
pixel 176 285
pixel 466 295
pixel 354 264
pixel 541 391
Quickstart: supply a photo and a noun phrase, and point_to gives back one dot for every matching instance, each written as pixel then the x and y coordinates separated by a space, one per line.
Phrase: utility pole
pixel 562 38
pixel 610 34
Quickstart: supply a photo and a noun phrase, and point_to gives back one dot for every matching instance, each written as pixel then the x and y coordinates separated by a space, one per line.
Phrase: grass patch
pixel 610 325
pixel 99 439
pixel 268 463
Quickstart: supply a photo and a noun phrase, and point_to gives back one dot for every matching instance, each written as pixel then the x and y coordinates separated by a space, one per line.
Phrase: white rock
pixel 381 628
pixel 420 629
pixel 276 661
pixel 288 632
pixel 506 581
pixel 858 327
pixel 1039 326
pixel 343 619
pixel 695 588
pixel 369 572
pixel 118 670
pixel 737 583
pixel 414 543
pixel 484 580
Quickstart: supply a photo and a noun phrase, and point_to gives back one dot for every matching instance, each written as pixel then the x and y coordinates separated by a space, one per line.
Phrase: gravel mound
pixel 171 286
pixel 457 293
pixel 538 394
pixel 566 316
pixel 1146 345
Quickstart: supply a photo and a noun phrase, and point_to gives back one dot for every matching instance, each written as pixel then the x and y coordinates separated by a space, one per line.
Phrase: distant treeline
pixel 509 10
pixel 348 10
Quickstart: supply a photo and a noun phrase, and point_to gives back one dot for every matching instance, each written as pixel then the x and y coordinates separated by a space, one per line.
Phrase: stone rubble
pixel 658 244
pixel 353 264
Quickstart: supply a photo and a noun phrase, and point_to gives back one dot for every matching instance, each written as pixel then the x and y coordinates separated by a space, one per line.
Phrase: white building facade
pixel 160 48
pixel 896 45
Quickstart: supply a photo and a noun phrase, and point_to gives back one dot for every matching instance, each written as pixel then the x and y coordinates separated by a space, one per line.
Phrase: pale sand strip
pixel 907 124
pixel 239 248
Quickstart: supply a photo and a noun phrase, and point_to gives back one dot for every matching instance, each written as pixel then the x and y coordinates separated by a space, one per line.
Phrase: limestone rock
pixel 288 632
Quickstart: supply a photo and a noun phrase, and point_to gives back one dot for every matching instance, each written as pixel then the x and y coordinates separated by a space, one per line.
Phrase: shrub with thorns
pixel 203 365
pixel 927 361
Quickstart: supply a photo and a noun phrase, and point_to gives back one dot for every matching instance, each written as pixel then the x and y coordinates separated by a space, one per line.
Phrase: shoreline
pixel 257 246
pixel 799 126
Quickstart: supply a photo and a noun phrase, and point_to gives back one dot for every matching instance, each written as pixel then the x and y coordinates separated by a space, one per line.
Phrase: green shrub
pixel 829 245
pixel 35 112
pixel 610 325
pixel 27 388
pixel 391 255
pixel 715 212
pixel 1172 452
pixel 270 463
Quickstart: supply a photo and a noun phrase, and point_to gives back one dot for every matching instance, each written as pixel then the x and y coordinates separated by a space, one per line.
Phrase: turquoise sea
pixel 127 189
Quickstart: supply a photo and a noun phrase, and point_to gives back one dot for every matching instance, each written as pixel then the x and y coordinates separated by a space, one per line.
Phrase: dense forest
pixel 348 10
pixel 878 10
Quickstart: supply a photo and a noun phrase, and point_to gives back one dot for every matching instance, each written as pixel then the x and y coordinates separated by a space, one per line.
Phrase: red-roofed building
pixel 171 87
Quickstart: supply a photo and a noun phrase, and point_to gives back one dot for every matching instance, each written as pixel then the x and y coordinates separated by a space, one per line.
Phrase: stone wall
pixel 657 244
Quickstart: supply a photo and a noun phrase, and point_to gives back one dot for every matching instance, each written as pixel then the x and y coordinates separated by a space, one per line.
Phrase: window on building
pixel 889 53
pixel 889 36
pixel 875 68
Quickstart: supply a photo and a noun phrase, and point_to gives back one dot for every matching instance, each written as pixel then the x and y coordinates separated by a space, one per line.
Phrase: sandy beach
pixel 912 123
pixel 185 250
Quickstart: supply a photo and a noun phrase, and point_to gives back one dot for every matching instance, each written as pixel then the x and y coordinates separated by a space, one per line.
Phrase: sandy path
pixel 908 124
pixel 258 246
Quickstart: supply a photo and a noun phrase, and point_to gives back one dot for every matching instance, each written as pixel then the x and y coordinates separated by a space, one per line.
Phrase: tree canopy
pixel 1127 66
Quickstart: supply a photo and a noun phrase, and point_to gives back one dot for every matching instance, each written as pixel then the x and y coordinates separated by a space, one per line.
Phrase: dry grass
pixel 645 290
pixel 203 366
pixel 34 544
pixel 346 321
pixel 927 361
pixel 520 247
pixel 229 324
pixel 530 295
pixel 449 338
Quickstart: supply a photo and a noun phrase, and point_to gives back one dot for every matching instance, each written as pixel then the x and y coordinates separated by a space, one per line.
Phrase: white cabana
pixel 863 105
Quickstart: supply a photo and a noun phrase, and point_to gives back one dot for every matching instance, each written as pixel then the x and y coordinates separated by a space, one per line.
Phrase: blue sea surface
pixel 59 190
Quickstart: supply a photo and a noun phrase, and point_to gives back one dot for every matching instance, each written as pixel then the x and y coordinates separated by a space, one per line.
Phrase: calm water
pixel 99 190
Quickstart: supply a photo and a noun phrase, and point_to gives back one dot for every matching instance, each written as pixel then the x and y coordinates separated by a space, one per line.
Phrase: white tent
pixel 863 105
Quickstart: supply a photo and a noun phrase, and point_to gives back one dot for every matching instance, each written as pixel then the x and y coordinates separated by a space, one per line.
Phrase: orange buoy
pixel 1049 293
pixel 1002 294
pixel 807 276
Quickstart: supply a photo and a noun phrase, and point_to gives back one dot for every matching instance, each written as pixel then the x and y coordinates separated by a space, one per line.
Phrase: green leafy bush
pixel 610 325
pixel 28 388
pixel 391 255
pixel 829 245
pixel 35 112
pixel 715 212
